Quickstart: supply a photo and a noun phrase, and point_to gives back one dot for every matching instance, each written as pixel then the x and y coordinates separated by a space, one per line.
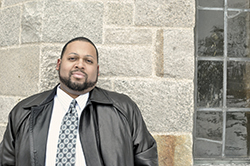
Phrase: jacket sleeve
pixel 145 148
pixel 1 145
pixel 7 148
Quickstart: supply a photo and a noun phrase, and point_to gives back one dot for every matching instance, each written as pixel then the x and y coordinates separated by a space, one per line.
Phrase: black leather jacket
pixel 112 132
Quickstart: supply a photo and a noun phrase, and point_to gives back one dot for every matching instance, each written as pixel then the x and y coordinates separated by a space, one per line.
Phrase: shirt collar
pixel 65 99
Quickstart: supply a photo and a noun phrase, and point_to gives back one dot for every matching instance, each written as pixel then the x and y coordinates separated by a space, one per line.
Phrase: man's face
pixel 78 68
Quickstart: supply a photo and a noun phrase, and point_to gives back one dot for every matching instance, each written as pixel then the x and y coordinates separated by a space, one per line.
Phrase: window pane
pixel 210 33
pixel 238 3
pixel 209 125
pixel 237 134
pixel 211 3
pixel 205 149
pixel 210 83
pixel 238 84
pixel 238 35
pixel 222 136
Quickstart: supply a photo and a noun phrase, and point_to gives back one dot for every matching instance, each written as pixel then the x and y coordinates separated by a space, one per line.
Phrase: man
pixel 77 123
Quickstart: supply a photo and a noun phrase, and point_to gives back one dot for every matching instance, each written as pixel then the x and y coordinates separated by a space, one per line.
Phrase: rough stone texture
pixel 125 61
pixel 6 104
pixel 128 36
pixel 10 26
pixel 169 13
pixel 49 75
pixel 12 2
pixel 119 14
pixel 32 22
pixel 179 53
pixel 19 74
pixel 183 150
pixel 159 54
pixel 105 83
pixel 174 150
pixel 124 1
pixel 64 20
pixel 169 103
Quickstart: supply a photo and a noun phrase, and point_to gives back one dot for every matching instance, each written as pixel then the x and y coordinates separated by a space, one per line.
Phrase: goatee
pixel 77 86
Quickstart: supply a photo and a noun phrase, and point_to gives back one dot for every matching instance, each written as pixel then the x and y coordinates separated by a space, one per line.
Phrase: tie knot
pixel 73 103
pixel 72 107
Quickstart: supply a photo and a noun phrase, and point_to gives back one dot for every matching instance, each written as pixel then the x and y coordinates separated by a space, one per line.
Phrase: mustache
pixel 78 70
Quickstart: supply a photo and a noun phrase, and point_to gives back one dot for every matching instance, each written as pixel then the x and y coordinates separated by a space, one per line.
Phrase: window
pixel 222 93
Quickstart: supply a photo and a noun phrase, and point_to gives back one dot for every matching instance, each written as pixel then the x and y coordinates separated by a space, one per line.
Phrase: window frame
pixel 225 59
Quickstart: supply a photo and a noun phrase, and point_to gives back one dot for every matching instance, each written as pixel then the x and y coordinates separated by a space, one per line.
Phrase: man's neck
pixel 74 94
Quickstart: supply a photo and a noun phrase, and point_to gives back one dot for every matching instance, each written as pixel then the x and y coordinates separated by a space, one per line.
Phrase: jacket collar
pixel 99 95
pixel 40 98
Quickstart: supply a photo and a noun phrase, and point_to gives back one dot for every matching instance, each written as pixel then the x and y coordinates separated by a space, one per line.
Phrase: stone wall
pixel 146 51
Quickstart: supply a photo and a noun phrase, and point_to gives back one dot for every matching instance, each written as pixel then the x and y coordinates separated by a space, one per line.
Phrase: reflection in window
pixel 210 82
pixel 211 3
pixel 238 81
pixel 238 3
pixel 238 34
pixel 207 149
pixel 211 33
pixel 236 134
pixel 209 125
pixel 222 93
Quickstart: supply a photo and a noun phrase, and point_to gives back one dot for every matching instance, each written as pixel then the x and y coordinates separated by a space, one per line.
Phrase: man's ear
pixel 98 70
pixel 58 64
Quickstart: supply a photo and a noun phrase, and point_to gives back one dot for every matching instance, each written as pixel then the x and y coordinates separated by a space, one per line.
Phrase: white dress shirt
pixel 61 105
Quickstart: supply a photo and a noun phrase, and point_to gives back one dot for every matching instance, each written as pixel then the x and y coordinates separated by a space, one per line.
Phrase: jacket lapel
pixel 89 137
pixel 39 126
pixel 89 128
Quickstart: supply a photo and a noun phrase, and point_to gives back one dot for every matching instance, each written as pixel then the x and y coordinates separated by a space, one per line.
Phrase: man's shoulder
pixel 121 101
pixel 115 96
pixel 35 99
